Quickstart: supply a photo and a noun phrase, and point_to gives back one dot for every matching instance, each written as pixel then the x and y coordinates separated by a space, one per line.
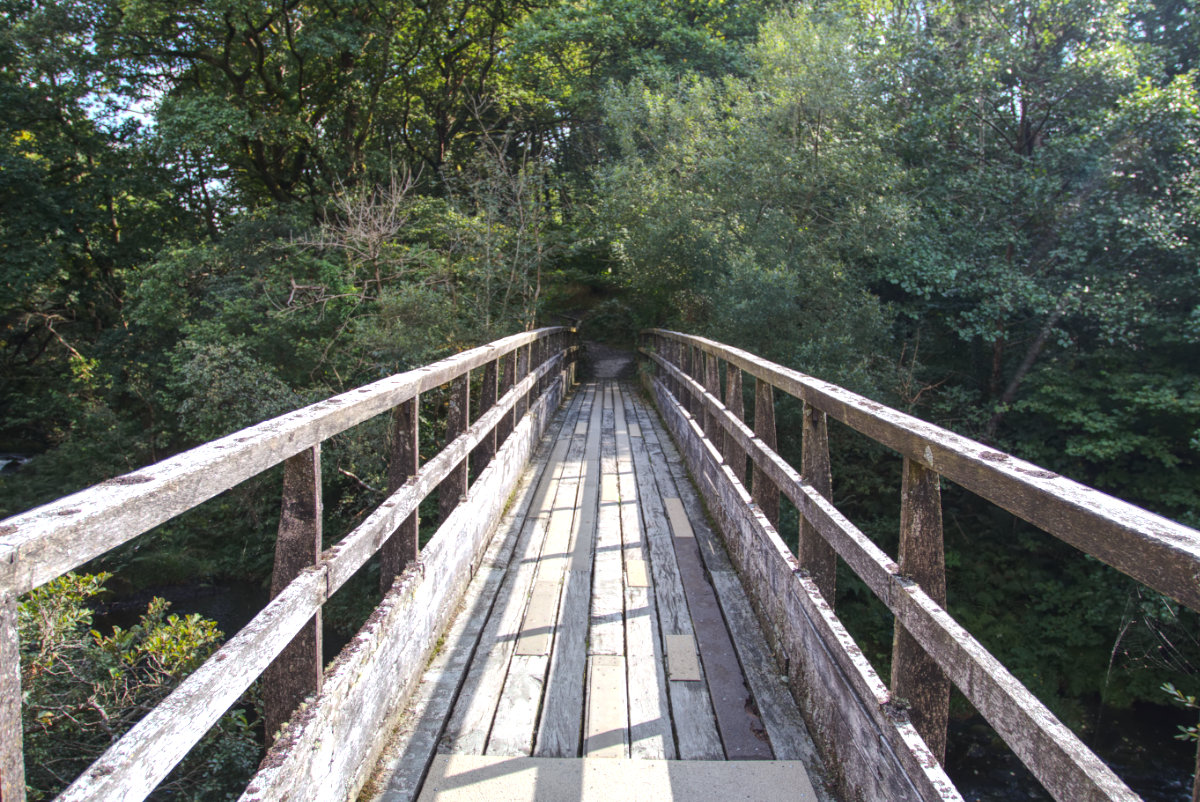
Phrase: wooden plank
pixel 12 761
pixel 635 430
pixel 789 737
pixel 682 663
pixel 458 416
pixel 1158 552
pixel 691 709
pixel 916 676
pixel 471 719
pixel 606 725
pixel 762 489
pixel 873 751
pixel 297 672
pixel 487 396
pixel 46 542
pixel 538 627
pixel 561 719
pixel 517 711
pixel 650 734
pixel 607 624
pixel 733 453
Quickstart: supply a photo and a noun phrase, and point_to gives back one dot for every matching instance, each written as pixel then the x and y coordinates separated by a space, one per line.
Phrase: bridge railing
pixel 521 375
pixel 930 649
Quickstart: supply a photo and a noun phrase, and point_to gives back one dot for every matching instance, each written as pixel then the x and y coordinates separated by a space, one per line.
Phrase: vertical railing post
pixel 402 547
pixel 12 758
pixel 458 415
pixel 734 455
pixel 763 491
pixel 697 374
pixel 296 673
pixel 487 399
pixel 712 383
pixel 522 371
pixel 508 368
pixel 815 554
pixel 916 677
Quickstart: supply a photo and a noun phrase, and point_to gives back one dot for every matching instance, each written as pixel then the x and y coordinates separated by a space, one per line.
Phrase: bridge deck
pixel 605 621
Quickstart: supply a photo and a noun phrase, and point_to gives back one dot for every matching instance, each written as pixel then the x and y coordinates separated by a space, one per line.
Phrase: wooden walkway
pixel 605 621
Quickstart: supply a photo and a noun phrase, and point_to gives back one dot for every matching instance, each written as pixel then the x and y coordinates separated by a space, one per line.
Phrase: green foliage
pixel 84 689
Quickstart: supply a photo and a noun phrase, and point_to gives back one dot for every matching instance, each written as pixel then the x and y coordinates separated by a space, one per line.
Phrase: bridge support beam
pixel 916 677
pixel 296 673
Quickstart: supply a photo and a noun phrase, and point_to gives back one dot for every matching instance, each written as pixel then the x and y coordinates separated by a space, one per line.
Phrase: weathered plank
pixel 682 663
pixel 538 627
pixel 46 542
pixel 296 673
pixel 916 677
pixel 517 710
pixel 650 734
pixel 606 725
pixel 561 720
pixel 691 709
pixel 12 762
pixel 607 624
pixel 733 453
pixel 762 489
pixel 328 751
pixel 1158 552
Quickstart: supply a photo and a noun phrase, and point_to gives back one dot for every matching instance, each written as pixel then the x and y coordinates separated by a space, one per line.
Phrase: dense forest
pixel 983 212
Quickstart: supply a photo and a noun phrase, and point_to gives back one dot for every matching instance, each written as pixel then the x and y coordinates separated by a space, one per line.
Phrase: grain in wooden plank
pixel 650 735
pixel 607 625
pixel 538 626
pixel 48 541
pixel 562 711
pixel 691 709
pixel 516 712
pixel 606 725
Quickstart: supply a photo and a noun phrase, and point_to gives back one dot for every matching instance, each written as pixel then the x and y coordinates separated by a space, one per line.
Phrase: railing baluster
pixel 487 397
pixel 763 490
pixel 458 416
pixel 734 455
pixel 297 672
pixel 916 677
pixel 522 406
pixel 508 369
pixel 12 761
pixel 402 547
pixel 817 556
pixel 712 383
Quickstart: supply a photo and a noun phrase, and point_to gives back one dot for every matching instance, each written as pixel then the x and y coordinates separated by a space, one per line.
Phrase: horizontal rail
pixel 133 767
pixel 46 542
pixel 1056 756
pixel 1154 550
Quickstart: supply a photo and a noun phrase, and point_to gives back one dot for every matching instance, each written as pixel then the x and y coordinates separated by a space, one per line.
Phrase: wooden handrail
pixel 930 642
pixel 46 542
pixel 1154 550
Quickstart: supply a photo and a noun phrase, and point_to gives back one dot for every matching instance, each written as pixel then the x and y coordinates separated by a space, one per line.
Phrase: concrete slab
pixel 473 778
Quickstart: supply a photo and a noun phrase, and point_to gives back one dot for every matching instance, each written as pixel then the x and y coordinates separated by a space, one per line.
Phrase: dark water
pixel 1138 744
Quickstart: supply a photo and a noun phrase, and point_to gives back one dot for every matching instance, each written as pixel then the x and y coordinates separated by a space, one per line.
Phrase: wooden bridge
pixel 607 609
